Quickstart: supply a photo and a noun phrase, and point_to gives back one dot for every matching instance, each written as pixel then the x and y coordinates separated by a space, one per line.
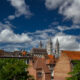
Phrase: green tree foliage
pixel 13 69
pixel 75 74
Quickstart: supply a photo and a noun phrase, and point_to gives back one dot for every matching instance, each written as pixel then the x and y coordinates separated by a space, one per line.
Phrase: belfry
pixel 49 47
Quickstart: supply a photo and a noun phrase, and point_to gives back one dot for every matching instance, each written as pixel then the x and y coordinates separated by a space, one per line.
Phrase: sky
pixel 24 23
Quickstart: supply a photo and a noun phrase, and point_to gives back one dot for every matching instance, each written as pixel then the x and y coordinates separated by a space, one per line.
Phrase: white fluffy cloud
pixel 69 8
pixel 21 9
pixel 63 28
pixel 67 42
pixel 28 40
pixel 8 35
pixel 52 4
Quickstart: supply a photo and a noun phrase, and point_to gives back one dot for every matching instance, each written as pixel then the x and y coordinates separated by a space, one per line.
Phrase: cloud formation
pixel 69 8
pixel 21 8
pixel 7 35
pixel 28 40
pixel 67 42
pixel 63 28
pixel 52 4
pixel 15 41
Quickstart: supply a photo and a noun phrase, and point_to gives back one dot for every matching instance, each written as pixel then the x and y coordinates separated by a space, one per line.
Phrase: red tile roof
pixel 24 53
pixel 50 60
pixel 1 52
pixel 73 55
pixel 51 57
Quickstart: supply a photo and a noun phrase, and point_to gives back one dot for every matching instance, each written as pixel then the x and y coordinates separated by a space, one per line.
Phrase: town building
pixel 64 64
pixel 13 54
pixel 44 64
pixel 59 63
pixel 39 69
pixel 42 60
pixel 42 68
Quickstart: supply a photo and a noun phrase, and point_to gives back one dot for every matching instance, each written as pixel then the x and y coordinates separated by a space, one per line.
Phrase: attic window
pixel 39 74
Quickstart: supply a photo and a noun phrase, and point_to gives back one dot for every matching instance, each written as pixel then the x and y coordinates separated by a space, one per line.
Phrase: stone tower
pixel 50 47
pixel 57 49
pixel 40 44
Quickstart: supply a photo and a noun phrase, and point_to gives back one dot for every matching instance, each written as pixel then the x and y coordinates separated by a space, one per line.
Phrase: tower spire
pixel 57 48
pixel 50 46
pixel 40 44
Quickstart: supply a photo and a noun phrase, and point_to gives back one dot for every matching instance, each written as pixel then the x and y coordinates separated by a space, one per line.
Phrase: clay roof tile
pixel 73 55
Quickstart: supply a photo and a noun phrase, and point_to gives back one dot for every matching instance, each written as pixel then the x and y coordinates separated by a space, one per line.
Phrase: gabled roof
pixel 73 55
pixel 40 64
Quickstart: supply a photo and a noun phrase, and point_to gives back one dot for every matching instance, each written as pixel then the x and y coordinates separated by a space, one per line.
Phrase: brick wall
pixel 62 68
pixel 48 76
pixel 31 70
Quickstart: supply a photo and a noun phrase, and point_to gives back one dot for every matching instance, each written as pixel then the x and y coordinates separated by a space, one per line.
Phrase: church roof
pixel 73 55
pixel 38 50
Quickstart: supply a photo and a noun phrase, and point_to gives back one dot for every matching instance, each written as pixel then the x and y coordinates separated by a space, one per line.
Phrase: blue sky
pixel 23 23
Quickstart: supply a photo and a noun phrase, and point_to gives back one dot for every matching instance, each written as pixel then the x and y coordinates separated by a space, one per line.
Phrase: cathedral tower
pixel 57 49
pixel 40 45
pixel 50 47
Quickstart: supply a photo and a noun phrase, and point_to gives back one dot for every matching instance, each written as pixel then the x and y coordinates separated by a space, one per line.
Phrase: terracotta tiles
pixel 73 55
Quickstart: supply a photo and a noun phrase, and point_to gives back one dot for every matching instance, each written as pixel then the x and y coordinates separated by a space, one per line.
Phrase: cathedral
pixel 48 50
pixel 44 58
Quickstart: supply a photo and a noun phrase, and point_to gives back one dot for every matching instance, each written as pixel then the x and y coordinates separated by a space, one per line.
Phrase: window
pixel 39 74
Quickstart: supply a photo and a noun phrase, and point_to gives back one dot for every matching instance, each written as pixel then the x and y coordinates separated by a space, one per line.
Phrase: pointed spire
pixel 57 42
pixel 57 48
pixel 50 46
pixel 50 41
pixel 40 44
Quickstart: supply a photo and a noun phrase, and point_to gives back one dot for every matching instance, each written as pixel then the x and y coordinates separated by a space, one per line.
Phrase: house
pixel 39 69
pixel 13 54
pixel 50 62
pixel 64 64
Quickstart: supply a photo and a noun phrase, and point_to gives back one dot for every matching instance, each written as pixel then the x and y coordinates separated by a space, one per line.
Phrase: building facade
pixel 64 64
pixel 49 47
pixel 39 69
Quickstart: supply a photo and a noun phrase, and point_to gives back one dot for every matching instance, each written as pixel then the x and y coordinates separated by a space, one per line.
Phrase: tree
pixel 75 74
pixel 13 69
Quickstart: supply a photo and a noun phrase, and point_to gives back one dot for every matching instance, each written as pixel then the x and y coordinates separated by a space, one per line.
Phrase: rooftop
pixel 73 55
